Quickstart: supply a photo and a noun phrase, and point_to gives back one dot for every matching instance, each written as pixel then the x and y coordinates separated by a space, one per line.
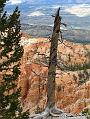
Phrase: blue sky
pixel 37 13
pixel 81 9
pixel 74 12
pixel 62 1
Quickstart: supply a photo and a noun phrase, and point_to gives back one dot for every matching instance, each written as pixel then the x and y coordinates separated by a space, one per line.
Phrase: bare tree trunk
pixel 53 62
pixel 50 107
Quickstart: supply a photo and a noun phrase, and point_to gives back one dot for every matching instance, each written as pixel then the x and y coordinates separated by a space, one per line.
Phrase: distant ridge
pixel 75 35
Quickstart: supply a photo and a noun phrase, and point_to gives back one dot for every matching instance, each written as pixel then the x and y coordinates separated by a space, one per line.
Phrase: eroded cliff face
pixel 72 87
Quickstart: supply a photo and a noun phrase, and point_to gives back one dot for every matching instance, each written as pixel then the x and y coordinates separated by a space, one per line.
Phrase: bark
pixel 50 107
pixel 53 62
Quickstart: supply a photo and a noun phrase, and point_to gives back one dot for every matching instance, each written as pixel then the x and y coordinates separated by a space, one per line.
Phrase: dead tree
pixel 50 107
pixel 53 62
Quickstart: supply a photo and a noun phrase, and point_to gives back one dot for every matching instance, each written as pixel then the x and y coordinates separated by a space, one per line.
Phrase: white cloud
pixel 79 10
pixel 36 13
pixel 12 2
pixel 55 6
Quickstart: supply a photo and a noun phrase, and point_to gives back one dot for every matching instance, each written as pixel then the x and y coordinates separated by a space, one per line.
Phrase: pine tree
pixel 10 54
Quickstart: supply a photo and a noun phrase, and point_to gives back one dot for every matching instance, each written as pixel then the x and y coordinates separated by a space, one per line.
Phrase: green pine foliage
pixel 10 55
pixel 2 4
pixel 86 112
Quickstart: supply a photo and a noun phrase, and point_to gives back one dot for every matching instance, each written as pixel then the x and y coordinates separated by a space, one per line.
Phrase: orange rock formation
pixel 70 95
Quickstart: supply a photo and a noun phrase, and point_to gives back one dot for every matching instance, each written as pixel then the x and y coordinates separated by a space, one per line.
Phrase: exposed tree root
pixel 42 115
pixel 54 112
